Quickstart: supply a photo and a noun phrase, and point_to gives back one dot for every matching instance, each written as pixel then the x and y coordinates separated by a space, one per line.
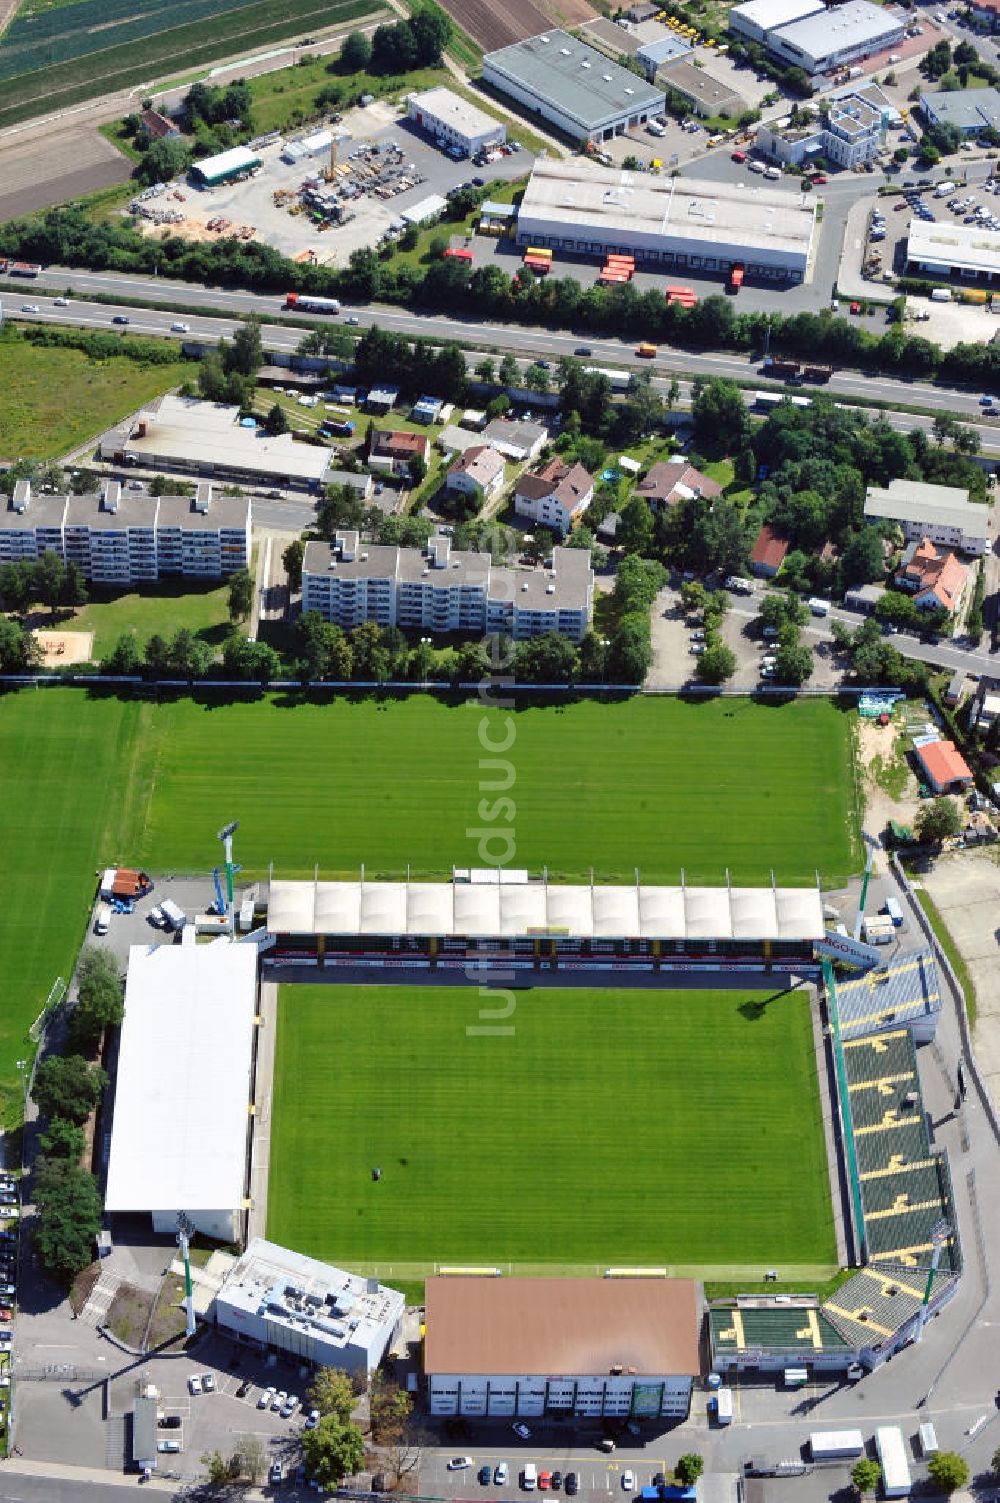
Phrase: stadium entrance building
pixel 484 915
pixel 623 1348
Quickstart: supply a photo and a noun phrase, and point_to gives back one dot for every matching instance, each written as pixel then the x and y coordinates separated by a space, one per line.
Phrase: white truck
pixel 721 1405
pixel 896 1481
pixel 176 917
pixel 818 606
pixel 836 1445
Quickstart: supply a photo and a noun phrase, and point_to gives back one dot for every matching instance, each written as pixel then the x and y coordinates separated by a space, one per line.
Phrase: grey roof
pixel 576 79
pixel 40 511
pixel 360 480
pixel 843 26
pixel 528 588
pixel 207 434
pixel 919 503
pixel 222 512
pixel 766 15
pixel 503 431
pixel 373 561
pixel 664 50
pixel 969 109
pixel 608 34
pixel 905 989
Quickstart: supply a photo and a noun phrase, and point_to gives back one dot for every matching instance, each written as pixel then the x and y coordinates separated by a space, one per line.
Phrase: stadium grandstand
pixel 901 1191
pixel 903 993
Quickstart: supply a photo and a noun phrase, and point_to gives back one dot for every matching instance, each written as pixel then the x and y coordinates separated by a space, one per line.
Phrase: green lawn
pixel 584 1139
pixel 658 784
pixel 164 609
pixel 55 399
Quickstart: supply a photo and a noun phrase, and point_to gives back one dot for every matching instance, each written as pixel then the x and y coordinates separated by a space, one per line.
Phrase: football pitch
pixel 91 779
pixel 610 1128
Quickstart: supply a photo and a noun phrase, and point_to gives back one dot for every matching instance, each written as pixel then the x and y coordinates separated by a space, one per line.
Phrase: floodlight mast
pixel 226 836
pixel 184 1230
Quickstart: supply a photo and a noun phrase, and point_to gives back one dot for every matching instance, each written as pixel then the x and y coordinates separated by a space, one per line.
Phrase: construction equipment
pixel 330 172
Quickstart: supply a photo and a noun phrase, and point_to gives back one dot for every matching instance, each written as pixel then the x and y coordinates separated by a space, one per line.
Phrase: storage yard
pixel 736 1105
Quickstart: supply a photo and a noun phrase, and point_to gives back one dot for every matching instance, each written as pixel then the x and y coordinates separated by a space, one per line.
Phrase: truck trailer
pixel 896 1481
pixel 836 1445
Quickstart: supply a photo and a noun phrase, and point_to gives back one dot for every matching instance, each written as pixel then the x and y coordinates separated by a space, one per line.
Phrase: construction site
pixel 357 182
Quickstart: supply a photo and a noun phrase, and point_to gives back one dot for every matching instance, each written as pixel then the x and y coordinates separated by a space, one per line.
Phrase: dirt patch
pixel 83 1287
pixel 965 889
pixel 890 787
pixel 61 647
pixel 169 1321
pixel 40 170
pixel 495 25
pixel 128 1314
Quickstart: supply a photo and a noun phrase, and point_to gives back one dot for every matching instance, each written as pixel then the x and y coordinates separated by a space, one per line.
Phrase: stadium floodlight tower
pixel 184 1230
pixel 226 836
pixel 940 1233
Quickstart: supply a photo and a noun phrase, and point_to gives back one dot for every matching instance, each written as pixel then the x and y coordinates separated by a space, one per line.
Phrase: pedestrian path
pixel 98 1304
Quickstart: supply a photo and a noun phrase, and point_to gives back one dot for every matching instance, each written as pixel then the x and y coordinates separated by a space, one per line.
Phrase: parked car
pixel 485 1476
pixel 278 1400
pixel 522 1431
pixel 290 1405
pixel 501 1472
pixel 572 1484
pixel 312 1420
pixel 244 1388
pixel 157 917
pixel 628 1480
pixel 459 1463
pixel 169 1446
pixel 194 1383
pixel 276 1474
pixel 544 1481
pixel 208 1382
pixel 557 1481
pixel 264 1402
pixel 169 1422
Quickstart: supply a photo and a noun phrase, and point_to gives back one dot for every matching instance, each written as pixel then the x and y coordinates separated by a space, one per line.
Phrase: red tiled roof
pixel 770 548
pixel 944 763
pixel 398 442
pixel 929 570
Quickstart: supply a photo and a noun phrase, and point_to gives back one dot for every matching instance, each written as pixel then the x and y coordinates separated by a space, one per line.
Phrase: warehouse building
pixel 943 249
pixel 943 513
pixel 757 18
pixel 183 436
pixel 453 121
pixel 282 1301
pixel 706 94
pixel 572 85
pixel 968 110
pixel 226 167
pixel 181 1125
pixel 444 590
pixel 679 223
pixel 121 538
pixel 535 924
pixel 666 49
pixel 834 38
pixel 587 1348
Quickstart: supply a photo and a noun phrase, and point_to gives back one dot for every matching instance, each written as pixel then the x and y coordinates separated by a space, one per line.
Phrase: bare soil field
pixel 39 170
pixel 497 23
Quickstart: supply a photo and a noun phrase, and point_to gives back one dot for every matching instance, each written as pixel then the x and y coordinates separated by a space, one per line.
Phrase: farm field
pixel 538 1149
pixel 658 784
pixel 76 51
pixel 37 421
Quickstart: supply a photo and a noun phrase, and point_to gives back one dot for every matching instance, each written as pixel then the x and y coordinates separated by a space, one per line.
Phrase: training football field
pixel 609 1128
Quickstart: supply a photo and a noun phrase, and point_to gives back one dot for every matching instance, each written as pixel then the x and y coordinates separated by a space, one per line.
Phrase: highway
pixel 527 344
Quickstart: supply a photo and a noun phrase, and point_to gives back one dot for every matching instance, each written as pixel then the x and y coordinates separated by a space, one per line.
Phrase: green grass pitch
pixel 659 784
pixel 613 1127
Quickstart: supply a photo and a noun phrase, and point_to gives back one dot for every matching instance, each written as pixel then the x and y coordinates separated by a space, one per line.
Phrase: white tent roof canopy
pixel 512 909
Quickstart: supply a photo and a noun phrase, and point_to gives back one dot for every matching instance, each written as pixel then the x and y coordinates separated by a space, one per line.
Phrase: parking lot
pixel 679 639
pixel 268 203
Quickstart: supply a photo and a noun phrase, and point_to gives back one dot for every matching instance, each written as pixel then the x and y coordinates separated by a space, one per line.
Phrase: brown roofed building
pixel 393 449
pixel 934 576
pixel 156 126
pixel 591 1346
pixel 673 480
pixel 555 496
pixel 768 552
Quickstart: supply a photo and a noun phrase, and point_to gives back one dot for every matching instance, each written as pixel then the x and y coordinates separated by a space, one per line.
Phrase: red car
pixel 544 1481
pixel 819 178
pixel 900 206
pixel 856 308
pixel 739 156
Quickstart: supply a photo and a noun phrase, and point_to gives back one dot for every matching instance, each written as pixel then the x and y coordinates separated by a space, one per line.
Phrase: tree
pixel 548 659
pixel 276 421
pixel 636 526
pixel 356 53
pixel 292 562
pixel 509 374
pixel 66 1086
pixel 163 160
pixel 241 588
pixel 246 353
pixel 716 664
pixel 74 591
pixel 936 821
pixel 630 651
pixel 19 650
pixel 16 582
pixel 48 579
pixel 416 468
pixel 673 393
pixel 332 1393
pixel 719 412
pixel 100 1003
pixel 371 660
pixel 995 1462
pixel 333 1451
pixel 866 1475
pixel 69 1217
pixel 218 1467
pixel 863 560
pixel 485 371
pixel 124 658
pixel 793 663
pixel 689 1468
pixel 948 1470
pixel 63 1140
pixel 256 661
pixel 389 1408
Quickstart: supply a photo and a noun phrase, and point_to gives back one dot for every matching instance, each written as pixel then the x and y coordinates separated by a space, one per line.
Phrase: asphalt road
pixel 529 343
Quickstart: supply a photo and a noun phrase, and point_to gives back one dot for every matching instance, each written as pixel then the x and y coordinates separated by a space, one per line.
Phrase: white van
pixel 529 1476
pixel 722 1406
pixel 772 172
pixel 102 919
pixel 928 1439
pixel 894 911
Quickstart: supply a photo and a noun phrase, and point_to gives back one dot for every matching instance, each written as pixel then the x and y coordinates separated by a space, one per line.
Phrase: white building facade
pixel 943 513
pixel 572 85
pixel 121 538
pixel 444 591
pixel 282 1301
pixel 453 121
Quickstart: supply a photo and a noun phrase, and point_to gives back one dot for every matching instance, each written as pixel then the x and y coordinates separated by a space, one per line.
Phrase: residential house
pixel 933 576
pixel 479 472
pixel 943 513
pixel 556 496
pixel 768 552
pixel 393 449
pixel 158 127
pixel 672 480
pixel 943 766
pixel 520 441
